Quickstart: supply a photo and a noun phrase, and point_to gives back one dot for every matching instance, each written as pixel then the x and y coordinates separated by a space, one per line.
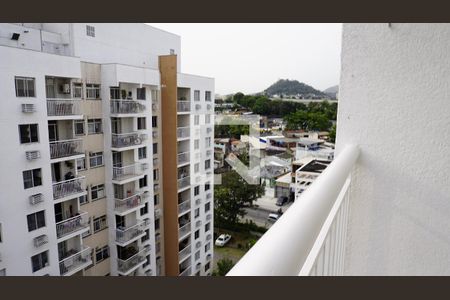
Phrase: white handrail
pixel 285 247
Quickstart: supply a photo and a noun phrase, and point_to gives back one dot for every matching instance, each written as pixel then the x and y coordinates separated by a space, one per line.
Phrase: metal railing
pixel 186 272
pixel 127 139
pixel 135 169
pixel 68 187
pixel 73 224
pixel 66 148
pixel 183 157
pixel 184 253
pixel 183 132
pixel 126 107
pixel 184 207
pixel 77 260
pixel 63 107
pixel 127 234
pixel 183 106
pixel 184 182
pixel 319 221
pixel 122 205
pixel 125 265
pixel 185 229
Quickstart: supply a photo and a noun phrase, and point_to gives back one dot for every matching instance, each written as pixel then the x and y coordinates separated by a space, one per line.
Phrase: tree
pixel 231 197
pixel 333 134
pixel 224 266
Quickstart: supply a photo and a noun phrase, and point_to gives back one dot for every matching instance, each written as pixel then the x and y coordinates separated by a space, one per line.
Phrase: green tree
pixel 224 266
pixel 333 134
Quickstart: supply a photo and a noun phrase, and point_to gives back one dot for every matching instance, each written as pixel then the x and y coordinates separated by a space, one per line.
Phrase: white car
pixel 273 218
pixel 223 239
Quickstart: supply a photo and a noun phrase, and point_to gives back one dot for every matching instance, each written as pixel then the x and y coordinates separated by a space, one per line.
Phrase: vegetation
pixel 333 134
pixel 223 267
pixel 293 87
pixel 230 131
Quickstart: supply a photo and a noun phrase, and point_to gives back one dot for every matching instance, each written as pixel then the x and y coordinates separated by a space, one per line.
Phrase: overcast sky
pixel 250 57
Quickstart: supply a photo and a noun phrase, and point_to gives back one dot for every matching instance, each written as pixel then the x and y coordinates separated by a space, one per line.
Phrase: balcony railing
pixel 133 201
pixel 184 182
pixel 120 140
pixel 63 107
pixel 184 252
pixel 183 132
pixel 183 158
pixel 185 229
pixel 184 207
pixel 126 107
pixel 126 265
pixel 319 222
pixel 73 224
pixel 75 261
pixel 186 272
pixel 183 106
pixel 120 173
pixel 125 235
pixel 59 149
pixel 68 187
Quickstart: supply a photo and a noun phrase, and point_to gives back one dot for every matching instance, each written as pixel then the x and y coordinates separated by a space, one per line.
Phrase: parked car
pixel 282 201
pixel 273 217
pixel 223 239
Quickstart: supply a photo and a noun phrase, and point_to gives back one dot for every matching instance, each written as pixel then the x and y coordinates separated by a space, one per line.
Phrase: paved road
pixel 258 216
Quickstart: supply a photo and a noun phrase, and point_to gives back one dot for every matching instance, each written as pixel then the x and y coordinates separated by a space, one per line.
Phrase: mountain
pixel 288 88
pixel 332 91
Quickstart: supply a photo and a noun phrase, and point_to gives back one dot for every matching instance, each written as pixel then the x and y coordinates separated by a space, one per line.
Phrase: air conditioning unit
pixel 40 240
pixel 28 107
pixel 198 223
pixel 198 201
pixel 34 154
pixel 198 245
pixel 198 106
pixel 35 199
pixel 66 88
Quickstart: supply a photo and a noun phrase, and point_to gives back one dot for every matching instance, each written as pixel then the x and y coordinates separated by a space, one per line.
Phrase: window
pixel 142 152
pixel 156 200
pixel 36 220
pixel 197 213
pixel 28 133
pixel 197 255
pixel 81 164
pixel 143 182
pixel 101 253
pixel 196 95
pixel 97 192
pixel 90 30
pixel 114 93
pixel 155 174
pixel 39 261
pixel 25 87
pixel 207 266
pixel 208 142
pixel 146 237
pixel 197 234
pixel 141 123
pixel 77 90
pixel 207 206
pixel 196 190
pixel 155 148
pixel 96 159
pixel 196 144
pixel 83 199
pixel 32 178
pixel 140 93
pixel 207 227
pixel 157 224
pixel 207 119
pixel 207 247
pixel 196 119
pixel 207 96
pixel 92 91
pixel 154 122
pixel 196 167
pixel 100 223
pixel 79 127
pixel 207 186
pixel 144 210
pixel 94 126
pixel 207 164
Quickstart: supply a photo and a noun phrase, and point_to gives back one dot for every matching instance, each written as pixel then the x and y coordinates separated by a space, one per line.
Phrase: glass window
pixel 25 87
pixel 196 144
pixel 114 93
pixel 144 210
pixel 92 91
pixel 196 190
pixel 207 206
pixel 100 223
pixel 155 148
pixel 143 182
pixel 207 227
pixel 207 96
pixel 141 123
pixel 196 119
pixel 28 133
pixel 79 127
pixel 94 126
pixel 90 30
pixel 101 253
pixel 39 261
pixel 197 234
pixel 96 159
pixel 197 213
pixel 196 95
pixel 36 220
pixel 81 164
pixel 142 152
pixel 32 178
pixel 97 192
pixel 154 122
pixel 140 93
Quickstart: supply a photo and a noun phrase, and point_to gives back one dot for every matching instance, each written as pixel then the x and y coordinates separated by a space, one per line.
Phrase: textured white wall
pixel 394 92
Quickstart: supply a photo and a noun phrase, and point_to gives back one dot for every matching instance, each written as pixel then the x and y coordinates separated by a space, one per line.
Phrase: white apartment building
pixel 107 153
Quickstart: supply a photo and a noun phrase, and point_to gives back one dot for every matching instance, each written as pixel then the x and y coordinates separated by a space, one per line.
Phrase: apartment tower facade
pixel 106 166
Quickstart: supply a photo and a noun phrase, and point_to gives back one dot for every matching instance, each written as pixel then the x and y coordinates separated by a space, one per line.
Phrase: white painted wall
pixel 394 91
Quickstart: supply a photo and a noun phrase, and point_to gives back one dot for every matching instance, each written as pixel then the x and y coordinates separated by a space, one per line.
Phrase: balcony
pixel 126 107
pixel 128 173
pixel 127 140
pixel 183 132
pixel 124 236
pixel 125 267
pixel 183 158
pixel 183 106
pixel 73 226
pixel 68 189
pixel 184 182
pixel 66 149
pixel 75 262
pixel 184 230
pixel 184 207
pixel 184 253
pixel 131 203
pixel 64 109
pixel 320 222
pixel 186 272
